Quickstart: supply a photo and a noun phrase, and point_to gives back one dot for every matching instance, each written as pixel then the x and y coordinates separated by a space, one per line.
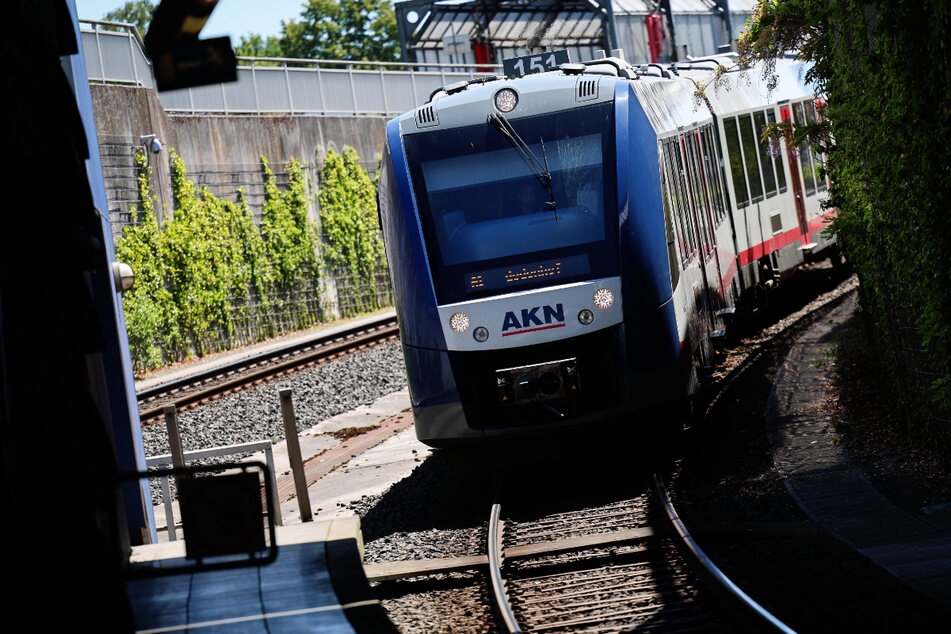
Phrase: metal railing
pixel 215 452
pixel 269 85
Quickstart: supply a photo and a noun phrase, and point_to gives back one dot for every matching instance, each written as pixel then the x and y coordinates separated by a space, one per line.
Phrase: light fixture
pixel 151 142
pixel 603 298
pixel 585 316
pixel 459 322
pixel 480 334
pixel 122 276
pixel 506 100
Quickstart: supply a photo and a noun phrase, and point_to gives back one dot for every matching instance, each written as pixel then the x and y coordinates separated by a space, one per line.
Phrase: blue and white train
pixel 565 247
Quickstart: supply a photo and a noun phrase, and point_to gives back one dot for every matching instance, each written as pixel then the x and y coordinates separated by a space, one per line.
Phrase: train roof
pixel 673 96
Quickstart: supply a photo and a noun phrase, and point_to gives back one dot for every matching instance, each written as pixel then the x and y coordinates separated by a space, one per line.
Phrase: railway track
pixel 208 384
pixel 610 565
pixel 630 564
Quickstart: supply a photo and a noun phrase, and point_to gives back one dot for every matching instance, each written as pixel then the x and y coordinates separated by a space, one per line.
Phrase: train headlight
pixel 603 298
pixel 506 100
pixel 459 322
pixel 480 334
pixel 585 316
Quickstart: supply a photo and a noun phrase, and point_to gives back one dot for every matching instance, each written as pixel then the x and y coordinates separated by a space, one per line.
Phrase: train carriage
pixel 565 247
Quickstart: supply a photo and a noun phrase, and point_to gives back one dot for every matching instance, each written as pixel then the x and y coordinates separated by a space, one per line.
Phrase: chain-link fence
pixel 256 319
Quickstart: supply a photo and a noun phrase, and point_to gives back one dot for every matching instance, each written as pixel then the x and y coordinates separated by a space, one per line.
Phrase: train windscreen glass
pixel 488 221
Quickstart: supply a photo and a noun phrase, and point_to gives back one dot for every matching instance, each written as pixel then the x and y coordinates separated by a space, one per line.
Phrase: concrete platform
pixel 316 584
pixel 831 490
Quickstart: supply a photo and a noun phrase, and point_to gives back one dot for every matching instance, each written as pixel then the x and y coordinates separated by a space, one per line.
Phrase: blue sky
pixel 230 17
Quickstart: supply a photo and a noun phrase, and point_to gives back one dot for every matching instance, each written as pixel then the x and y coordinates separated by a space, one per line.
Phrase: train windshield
pixel 488 222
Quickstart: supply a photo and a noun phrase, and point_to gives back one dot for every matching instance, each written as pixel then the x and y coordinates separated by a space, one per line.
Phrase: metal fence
pixel 166 497
pixel 115 54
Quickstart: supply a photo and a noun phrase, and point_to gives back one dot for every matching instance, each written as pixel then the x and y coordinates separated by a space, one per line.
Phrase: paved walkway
pixel 831 490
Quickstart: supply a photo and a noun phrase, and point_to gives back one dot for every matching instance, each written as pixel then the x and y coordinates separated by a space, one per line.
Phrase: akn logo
pixel 532 320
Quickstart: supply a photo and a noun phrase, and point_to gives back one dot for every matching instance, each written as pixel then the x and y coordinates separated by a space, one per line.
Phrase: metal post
pixel 169 513
pixel 102 66
pixel 254 85
pixel 320 90
pixel 353 91
pixel 287 85
pixel 293 453
pixel 386 107
pixel 275 498
pixel 174 438
pixel 135 68
pixel 178 460
pixel 412 75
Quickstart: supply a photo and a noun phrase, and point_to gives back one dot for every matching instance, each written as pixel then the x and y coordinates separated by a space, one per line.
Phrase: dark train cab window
pixel 483 211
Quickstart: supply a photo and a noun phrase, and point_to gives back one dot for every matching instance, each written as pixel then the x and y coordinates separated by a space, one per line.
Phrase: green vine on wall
pixel 350 225
pixel 884 69
pixel 209 263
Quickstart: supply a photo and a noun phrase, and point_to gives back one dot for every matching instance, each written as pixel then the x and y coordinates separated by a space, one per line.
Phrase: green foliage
pixel 360 30
pixel 151 317
pixel 350 224
pixel 209 263
pixel 138 13
pixel 253 45
pixel 885 70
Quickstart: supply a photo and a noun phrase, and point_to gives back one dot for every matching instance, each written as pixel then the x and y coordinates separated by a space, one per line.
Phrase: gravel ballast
pixel 320 392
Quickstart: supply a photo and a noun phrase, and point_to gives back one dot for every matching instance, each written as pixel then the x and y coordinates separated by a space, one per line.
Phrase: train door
pixel 786 115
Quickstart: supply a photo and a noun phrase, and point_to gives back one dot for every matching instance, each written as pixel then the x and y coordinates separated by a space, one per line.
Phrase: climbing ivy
pixel 351 229
pixel 209 268
pixel 151 317
pixel 884 68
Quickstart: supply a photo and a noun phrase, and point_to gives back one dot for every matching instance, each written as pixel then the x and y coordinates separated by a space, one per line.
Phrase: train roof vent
pixel 586 89
pixel 426 117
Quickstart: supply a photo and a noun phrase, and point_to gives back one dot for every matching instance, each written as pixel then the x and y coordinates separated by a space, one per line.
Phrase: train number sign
pixel 530 64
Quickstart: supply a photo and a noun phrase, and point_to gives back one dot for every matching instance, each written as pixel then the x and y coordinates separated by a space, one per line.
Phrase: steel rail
pixel 300 353
pixel 764 619
pixel 501 602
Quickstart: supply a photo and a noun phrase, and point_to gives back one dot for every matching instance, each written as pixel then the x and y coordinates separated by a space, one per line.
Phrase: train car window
pixel 805 154
pixel 766 163
pixel 696 195
pixel 778 162
pixel 690 173
pixel 676 202
pixel 703 182
pixel 711 161
pixel 818 159
pixel 719 177
pixel 736 162
pixel 750 158
pixel 680 179
pixel 673 260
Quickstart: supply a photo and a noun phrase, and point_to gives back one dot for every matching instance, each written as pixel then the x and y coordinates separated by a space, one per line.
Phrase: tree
pixel 254 45
pixel 363 30
pixel 138 12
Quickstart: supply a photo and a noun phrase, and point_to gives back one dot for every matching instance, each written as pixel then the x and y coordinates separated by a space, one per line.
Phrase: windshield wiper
pixel 540 169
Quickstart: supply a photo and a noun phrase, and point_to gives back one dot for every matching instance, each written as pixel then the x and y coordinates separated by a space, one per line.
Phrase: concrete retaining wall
pixel 220 152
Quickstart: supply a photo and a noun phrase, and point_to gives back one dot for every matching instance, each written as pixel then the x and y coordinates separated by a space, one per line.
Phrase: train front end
pixel 500 213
